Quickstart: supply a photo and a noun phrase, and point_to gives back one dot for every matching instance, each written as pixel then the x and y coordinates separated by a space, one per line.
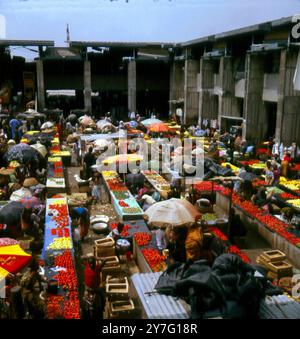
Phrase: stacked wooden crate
pixel 274 262
pixel 118 301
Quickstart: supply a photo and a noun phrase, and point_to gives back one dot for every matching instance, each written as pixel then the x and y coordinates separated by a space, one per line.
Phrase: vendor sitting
pixel 116 233
pixel 262 199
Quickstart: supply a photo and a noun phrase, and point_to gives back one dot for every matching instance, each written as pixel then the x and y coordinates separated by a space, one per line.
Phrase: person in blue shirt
pixel 14 124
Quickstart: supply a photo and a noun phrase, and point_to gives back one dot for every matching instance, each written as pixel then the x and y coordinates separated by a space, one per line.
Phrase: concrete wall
pixel 254 111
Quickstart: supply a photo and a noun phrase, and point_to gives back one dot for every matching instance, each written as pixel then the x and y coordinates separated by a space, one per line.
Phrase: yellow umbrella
pixel 123 158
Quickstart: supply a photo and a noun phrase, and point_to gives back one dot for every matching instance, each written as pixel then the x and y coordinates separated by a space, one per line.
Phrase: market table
pixel 55 186
pixel 126 207
pixel 158 306
pixel 161 185
pixel 134 227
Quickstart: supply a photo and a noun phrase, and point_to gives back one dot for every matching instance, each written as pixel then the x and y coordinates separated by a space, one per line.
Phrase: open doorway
pixel 271 116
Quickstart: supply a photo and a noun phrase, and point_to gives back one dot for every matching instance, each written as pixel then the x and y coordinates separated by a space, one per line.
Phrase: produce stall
pixel 124 204
pixel 160 184
pixel 275 231
pixel 58 255
pixel 65 155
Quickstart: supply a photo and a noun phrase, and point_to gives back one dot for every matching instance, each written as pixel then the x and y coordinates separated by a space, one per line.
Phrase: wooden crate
pixel 281 268
pixel 104 248
pixel 110 279
pixel 111 267
pixel 117 291
pixel 273 256
pixel 121 309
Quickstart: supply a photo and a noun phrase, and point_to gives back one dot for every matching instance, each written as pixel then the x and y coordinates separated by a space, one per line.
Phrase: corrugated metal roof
pixel 122 44
pixel 8 42
pixel 158 306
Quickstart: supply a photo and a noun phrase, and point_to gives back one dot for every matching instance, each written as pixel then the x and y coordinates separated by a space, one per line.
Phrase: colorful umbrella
pixel 12 258
pixel 20 194
pixel 159 128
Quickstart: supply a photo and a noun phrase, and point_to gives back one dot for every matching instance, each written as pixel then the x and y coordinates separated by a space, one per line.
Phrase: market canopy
pixel 172 212
pixel 12 258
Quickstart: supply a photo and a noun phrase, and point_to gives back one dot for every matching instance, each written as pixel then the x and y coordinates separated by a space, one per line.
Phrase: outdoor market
pixel 80 239
pixel 150 180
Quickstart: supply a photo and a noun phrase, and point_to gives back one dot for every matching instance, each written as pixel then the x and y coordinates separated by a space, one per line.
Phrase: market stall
pixel 58 255
pixel 122 200
pixel 161 185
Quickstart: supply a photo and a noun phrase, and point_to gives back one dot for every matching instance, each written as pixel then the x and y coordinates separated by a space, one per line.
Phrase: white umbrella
pixel 20 194
pixel 41 149
pixel 173 212
pixel 101 143
pixel 47 124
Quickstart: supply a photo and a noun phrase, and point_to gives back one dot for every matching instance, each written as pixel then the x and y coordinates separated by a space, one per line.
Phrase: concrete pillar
pixel 191 97
pixel 253 104
pixel 40 85
pixel 132 86
pixel 87 86
pixel 176 84
pixel 228 103
pixel 208 105
pixel 288 118
pixel 281 95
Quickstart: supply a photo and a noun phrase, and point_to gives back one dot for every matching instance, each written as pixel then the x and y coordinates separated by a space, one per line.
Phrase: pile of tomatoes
pixel 60 232
pixel 153 257
pixel 142 238
pixel 122 203
pixel 218 233
pixel 125 230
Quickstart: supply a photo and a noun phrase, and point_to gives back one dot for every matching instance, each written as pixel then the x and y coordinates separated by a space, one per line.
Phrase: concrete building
pixel 242 77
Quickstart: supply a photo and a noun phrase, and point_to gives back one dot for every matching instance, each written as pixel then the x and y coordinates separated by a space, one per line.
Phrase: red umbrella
pixel 29 202
pixel 159 128
pixel 12 258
